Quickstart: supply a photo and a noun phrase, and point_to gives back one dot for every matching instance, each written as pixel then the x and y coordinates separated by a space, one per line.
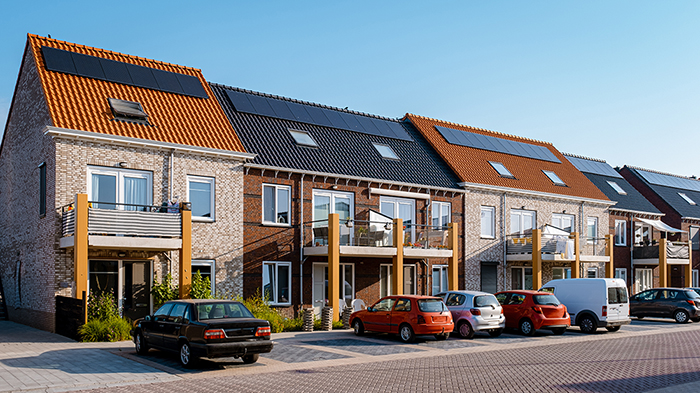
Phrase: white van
pixel 593 302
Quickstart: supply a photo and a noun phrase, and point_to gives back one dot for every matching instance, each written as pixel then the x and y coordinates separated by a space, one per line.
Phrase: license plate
pixel 439 319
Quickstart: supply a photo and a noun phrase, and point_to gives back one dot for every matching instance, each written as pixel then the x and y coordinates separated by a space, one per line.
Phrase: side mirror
pixel 147 318
pixel 370 309
pixel 185 321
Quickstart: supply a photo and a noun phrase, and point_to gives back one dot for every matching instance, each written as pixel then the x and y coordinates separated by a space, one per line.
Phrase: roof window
pixel 554 178
pixel 386 151
pixel 617 188
pixel 128 111
pixel 687 198
pixel 501 169
pixel 303 138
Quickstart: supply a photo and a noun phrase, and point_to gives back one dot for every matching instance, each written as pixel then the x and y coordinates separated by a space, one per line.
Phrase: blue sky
pixel 616 80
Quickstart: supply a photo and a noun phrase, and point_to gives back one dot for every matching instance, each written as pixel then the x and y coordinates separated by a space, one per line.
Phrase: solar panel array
pixel 119 72
pixel 310 114
pixel 670 181
pixel 595 167
pixel 490 143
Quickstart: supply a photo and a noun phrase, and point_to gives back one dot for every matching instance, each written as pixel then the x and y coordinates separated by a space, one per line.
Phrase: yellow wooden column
pixel 663 264
pixel 536 259
pixel 334 264
pixel 185 267
pixel 453 261
pixel 689 266
pixel 80 246
pixel 576 263
pixel 397 266
pixel 610 265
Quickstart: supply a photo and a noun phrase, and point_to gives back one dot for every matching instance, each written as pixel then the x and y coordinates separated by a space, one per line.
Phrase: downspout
pixel 503 236
pixel 301 245
pixel 170 180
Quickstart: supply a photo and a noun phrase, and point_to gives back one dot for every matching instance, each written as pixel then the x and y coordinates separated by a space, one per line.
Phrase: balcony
pixel 125 226
pixel 676 253
pixel 558 248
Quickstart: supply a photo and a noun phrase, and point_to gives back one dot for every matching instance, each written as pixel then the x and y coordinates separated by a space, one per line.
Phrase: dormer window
pixel 501 169
pixel 617 188
pixel 554 178
pixel 303 138
pixel 687 198
pixel 128 111
pixel 385 151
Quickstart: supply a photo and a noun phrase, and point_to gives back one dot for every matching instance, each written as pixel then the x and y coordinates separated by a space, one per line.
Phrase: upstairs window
pixel 687 198
pixel 501 169
pixel 488 222
pixel 385 151
pixel 120 189
pixel 620 233
pixel 303 138
pixel 563 221
pixel 128 111
pixel 554 178
pixel 441 214
pixel 276 204
pixel 201 194
pixel 617 188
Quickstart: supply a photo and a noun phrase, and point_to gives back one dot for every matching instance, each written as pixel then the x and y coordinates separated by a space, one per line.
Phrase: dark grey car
pixel 683 305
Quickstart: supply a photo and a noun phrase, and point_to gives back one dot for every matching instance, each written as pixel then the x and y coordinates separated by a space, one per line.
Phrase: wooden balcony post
pixel 576 263
pixel 536 259
pixel 452 262
pixel 185 266
pixel 334 264
pixel 663 264
pixel 610 265
pixel 397 266
pixel 80 249
pixel 689 266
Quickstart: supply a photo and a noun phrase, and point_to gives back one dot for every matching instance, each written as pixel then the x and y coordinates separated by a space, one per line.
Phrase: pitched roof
pixel 669 187
pixel 526 161
pixel 602 174
pixel 339 151
pixel 81 103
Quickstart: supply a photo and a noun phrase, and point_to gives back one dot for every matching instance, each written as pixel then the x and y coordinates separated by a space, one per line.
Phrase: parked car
pixel 697 290
pixel 593 302
pixel 204 328
pixel 405 315
pixel 474 311
pixel 529 311
pixel 682 305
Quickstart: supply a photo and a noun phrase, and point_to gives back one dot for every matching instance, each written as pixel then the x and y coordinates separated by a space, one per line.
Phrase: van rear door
pixel 618 304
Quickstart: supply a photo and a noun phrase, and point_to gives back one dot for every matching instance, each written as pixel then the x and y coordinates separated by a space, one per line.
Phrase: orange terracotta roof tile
pixel 80 103
pixel 472 165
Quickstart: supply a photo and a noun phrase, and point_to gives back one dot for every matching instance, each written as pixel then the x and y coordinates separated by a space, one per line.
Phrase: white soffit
pixel 401 194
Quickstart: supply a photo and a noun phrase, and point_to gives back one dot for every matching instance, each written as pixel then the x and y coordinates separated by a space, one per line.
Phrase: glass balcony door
pixel 116 189
pixel 329 202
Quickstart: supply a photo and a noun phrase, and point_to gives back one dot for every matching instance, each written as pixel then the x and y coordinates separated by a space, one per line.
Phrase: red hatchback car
pixel 405 315
pixel 528 311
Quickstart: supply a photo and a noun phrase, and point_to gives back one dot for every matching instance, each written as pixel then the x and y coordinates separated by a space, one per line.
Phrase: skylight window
pixel 501 169
pixel 687 198
pixel 617 188
pixel 386 151
pixel 303 138
pixel 127 110
pixel 554 178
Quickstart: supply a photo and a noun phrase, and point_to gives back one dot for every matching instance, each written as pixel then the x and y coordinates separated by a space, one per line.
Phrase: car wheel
pixel 250 359
pixel 465 330
pixel 639 316
pixel 141 345
pixel 527 328
pixel 613 328
pixel 186 358
pixel 681 316
pixel 358 328
pixel 587 324
pixel 558 331
pixel 406 333
pixel 442 337
pixel 495 332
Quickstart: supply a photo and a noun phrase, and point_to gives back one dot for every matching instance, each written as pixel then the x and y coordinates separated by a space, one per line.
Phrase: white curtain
pixel 135 193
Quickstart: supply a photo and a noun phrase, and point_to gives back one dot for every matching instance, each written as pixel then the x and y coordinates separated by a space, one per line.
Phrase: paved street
pixel 646 356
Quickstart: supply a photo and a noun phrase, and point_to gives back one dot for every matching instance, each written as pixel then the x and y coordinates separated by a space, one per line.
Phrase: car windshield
pixel 485 301
pixel 692 295
pixel 208 311
pixel 546 300
pixel 617 295
pixel 431 305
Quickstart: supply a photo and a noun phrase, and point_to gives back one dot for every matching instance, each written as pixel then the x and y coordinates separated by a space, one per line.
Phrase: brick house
pixel 530 215
pixel 633 222
pixel 95 142
pixel 673 245
pixel 314 163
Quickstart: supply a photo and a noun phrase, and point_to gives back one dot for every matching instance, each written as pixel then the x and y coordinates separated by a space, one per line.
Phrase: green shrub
pixel 113 329
pixel 201 287
pixel 293 324
pixel 102 307
pixel 261 309
pixel 163 291
pixel 338 325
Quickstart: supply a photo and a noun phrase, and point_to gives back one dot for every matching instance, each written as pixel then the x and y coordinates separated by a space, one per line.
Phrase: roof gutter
pixel 484 187
pixel 56 132
pixel 690 218
pixel 637 212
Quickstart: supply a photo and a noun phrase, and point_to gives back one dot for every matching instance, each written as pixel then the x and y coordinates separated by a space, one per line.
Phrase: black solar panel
pixel 240 101
pixel 118 72
pixel 300 113
pixel 490 143
pixel 261 105
pixel 317 116
pixel 281 109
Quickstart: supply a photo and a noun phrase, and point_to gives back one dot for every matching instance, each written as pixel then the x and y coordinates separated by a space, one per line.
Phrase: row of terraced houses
pixel 116 170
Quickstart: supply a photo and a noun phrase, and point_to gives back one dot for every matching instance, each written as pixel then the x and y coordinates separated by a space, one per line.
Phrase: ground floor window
pixel 129 282
pixel 561 273
pixel 643 279
pixel 621 273
pixel 409 280
pixel 521 278
pixel 206 269
pixel 440 279
pixel 696 277
pixel 277 280
pixel 104 276
pixel 592 272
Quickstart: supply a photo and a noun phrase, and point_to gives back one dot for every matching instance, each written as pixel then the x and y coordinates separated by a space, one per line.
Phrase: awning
pixel 553 231
pixel 660 225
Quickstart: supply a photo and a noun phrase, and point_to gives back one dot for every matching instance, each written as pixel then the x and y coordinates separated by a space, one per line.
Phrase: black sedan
pixel 204 328
pixel 683 305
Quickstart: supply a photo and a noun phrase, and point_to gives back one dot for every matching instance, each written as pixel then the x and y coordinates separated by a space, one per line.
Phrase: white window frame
pixel 491 232
pixel 620 232
pixel 593 270
pixel 617 188
pixel 212 200
pixel 277 187
pixel 696 278
pixel 501 169
pixel 398 202
pixel 638 275
pixel 561 217
pixel 388 154
pixel 318 221
pixel 520 270
pixel 554 178
pixel 300 141
pixel 687 198
pixel 440 206
pixel 520 215
pixel 565 271
pixel 212 264
pixel 389 275
pixel 694 245
pixel 120 174
pixel 443 286
pixel 277 264
pixel 593 240
pixel 621 273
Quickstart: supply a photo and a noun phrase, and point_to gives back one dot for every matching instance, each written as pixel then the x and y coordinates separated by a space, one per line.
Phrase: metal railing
pixel 674 250
pixel 126 220
pixel 426 236
pixel 595 246
pixel 365 233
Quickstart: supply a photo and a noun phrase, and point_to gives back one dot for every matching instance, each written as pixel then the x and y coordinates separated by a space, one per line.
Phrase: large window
pixel 440 279
pixel 441 213
pixel 277 282
pixel 563 221
pixel 522 222
pixel 695 237
pixel 42 189
pixel 621 273
pixel 592 230
pixel 561 273
pixel 104 277
pixel 521 278
pixel 402 208
pixel 123 189
pixel 620 232
pixel 409 280
pixel 276 204
pixel 327 202
pixel 488 222
pixel 206 269
pixel 201 194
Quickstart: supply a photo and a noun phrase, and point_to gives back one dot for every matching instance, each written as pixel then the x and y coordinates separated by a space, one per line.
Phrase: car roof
pixel 474 293
pixel 526 292
pixel 410 297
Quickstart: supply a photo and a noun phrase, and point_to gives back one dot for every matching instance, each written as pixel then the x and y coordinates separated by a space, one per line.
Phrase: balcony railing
pixel 595 246
pixel 378 234
pixel 674 250
pixel 426 236
pixel 120 219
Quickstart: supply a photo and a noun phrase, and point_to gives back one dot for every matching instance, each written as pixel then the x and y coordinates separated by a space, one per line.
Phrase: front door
pixel 346 290
pixel 137 289
pixel 643 279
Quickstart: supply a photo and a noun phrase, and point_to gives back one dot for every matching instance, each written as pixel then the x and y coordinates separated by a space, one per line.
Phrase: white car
pixel 474 311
